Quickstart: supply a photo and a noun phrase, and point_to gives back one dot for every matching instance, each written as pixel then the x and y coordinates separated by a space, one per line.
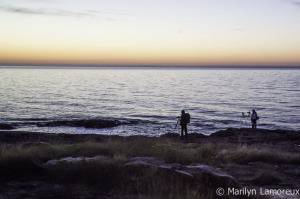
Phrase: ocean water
pixel 150 97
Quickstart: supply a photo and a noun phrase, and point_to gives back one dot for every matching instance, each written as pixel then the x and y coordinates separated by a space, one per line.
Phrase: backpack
pixel 186 118
pixel 253 116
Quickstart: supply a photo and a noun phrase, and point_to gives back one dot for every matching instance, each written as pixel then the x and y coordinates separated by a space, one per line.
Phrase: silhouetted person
pixel 254 118
pixel 184 120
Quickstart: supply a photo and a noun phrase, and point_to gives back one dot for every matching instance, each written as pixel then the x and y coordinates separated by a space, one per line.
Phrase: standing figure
pixel 254 118
pixel 184 120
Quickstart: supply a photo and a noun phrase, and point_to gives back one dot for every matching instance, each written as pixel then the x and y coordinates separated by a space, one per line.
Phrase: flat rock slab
pixel 203 173
pixel 77 159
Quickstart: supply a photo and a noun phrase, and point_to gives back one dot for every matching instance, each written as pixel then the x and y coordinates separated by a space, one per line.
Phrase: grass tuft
pixel 246 154
pixel 266 177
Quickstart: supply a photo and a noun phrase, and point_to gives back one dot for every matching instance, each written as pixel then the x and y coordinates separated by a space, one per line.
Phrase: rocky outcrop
pixel 81 123
pixel 206 178
pixel 286 140
pixel 139 173
pixel 260 134
pixel 77 159
pixel 6 127
pixel 194 170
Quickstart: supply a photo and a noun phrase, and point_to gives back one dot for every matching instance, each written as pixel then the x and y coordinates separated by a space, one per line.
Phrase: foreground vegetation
pixel 25 162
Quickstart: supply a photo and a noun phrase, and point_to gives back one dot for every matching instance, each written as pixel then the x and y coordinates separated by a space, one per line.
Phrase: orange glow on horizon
pixel 144 57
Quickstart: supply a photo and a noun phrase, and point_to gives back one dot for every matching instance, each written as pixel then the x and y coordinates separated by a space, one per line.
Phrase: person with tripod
pixel 184 120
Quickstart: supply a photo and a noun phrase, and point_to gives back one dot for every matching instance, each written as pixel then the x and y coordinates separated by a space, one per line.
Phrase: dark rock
pixel 264 134
pixel 224 133
pixel 197 135
pixel 6 127
pixel 170 135
pixel 97 123
pixel 192 137
pixel 283 139
pixel 81 123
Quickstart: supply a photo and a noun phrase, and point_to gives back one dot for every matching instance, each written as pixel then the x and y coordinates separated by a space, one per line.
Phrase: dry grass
pixel 246 154
pixel 25 162
pixel 266 177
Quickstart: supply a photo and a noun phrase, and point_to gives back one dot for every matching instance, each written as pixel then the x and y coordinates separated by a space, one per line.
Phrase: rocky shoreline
pixel 283 139
pixel 86 123
pixel 237 174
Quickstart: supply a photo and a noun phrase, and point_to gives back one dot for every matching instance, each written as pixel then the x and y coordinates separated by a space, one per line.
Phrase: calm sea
pixel 152 97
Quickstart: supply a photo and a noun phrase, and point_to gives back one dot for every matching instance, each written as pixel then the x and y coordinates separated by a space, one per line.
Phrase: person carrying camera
pixel 254 118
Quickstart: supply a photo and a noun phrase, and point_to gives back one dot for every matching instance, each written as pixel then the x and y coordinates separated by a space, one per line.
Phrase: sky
pixel 150 32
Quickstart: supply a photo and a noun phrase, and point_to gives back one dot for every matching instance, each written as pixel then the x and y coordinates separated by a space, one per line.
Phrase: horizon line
pixel 147 66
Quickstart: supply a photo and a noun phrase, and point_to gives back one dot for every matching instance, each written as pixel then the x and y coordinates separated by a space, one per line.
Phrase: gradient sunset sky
pixel 150 32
